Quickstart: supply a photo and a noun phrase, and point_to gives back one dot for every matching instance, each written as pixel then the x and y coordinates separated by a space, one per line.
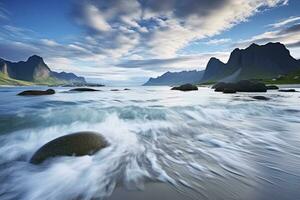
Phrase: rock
pixel 76 144
pixel 248 86
pixel 126 89
pixel 37 92
pixel 229 91
pixel 287 90
pixel 260 98
pixel 241 86
pixel 114 90
pixel 185 87
pixel 220 87
pixel 84 90
pixel 272 87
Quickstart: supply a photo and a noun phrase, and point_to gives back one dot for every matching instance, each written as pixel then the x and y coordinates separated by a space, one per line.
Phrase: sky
pixel 124 42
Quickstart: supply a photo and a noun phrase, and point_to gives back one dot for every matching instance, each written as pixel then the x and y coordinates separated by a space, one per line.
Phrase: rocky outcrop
pixel 84 90
pixel 261 98
pixel 241 86
pixel 76 144
pixel 37 92
pixel 287 90
pixel 185 87
pixel 272 87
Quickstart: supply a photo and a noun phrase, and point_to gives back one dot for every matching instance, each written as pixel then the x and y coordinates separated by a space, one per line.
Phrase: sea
pixel 202 144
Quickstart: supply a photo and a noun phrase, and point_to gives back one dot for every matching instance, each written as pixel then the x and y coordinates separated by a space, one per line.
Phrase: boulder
pixel 126 89
pixel 76 144
pixel 241 86
pixel 185 87
pixel 84 90
pixel 272 87
pixel 260 98
pixel 229 91
pixel 114 90
pixel 37 92
pixel 220 87
pixel 248 86
pixel 287 90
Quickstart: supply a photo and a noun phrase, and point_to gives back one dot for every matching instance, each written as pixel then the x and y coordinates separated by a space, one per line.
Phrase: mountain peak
pixel 254 45
pixel 254 62
pixel 35 58
pixel 213 60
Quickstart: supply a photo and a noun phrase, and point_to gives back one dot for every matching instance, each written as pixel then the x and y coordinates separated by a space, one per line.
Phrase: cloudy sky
pixel 124 42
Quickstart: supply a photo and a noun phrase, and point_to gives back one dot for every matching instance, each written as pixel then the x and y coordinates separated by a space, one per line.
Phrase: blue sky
pixel 126 42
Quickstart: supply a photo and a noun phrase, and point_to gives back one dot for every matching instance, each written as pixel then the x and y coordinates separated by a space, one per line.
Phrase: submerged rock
pixel 37 92
pixel 287 90
pixel 185 87
pixel 84 90
pixel 260 98
pixel 241 86
pixel 114 90
pixel 126 89
pixel 76 144
pixel 272 87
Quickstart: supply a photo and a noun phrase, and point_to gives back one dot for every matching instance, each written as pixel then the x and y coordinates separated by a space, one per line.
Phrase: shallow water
pixel 205 145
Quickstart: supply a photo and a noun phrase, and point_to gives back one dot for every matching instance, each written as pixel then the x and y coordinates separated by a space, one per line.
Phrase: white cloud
pixel 218 41
pixel 285 22
pixel 95 18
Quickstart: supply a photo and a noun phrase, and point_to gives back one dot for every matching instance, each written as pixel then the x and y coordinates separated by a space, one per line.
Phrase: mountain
pixel 70 77
pixel 176 78
pixel 34 70
pixel 255 62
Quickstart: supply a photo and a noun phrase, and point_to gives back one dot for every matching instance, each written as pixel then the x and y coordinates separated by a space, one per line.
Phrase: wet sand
pixel 157 191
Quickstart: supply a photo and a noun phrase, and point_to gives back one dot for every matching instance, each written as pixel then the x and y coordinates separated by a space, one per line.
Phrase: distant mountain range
pixel 176 78
pixel 255 62
pixel 34 71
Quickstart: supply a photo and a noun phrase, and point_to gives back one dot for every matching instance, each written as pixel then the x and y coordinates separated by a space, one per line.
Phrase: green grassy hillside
pixel 5 80
pixel 293 78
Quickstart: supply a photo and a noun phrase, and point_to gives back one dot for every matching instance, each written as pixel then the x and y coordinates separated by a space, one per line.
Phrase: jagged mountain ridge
pixel 36 70
pixel 176 78
pixel 254 62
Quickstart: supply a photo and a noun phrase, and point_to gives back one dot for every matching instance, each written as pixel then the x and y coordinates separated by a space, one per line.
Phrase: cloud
pixel 218 41
pixel 156 28
pixel 123 40
pixel 188 62
pixel 285 22
pixel 95 19
pixel 4 14
pixel 290 36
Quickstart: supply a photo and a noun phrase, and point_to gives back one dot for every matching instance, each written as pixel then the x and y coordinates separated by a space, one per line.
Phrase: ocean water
pixel 205 145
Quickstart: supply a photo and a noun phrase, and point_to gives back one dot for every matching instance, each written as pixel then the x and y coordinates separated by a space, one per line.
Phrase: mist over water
pixel 206 145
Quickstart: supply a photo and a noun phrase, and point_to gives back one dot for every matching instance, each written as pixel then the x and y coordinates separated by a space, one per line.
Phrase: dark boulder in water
pixel 241 86
pixel 185 87
pixel 84 90
pixel 37 92
pixel 76 144
pixel 126 89
pixel 287 90
pixel 229 91
pixel 220 87
pixel 114 90
pixel 260 98
pixel 272 87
